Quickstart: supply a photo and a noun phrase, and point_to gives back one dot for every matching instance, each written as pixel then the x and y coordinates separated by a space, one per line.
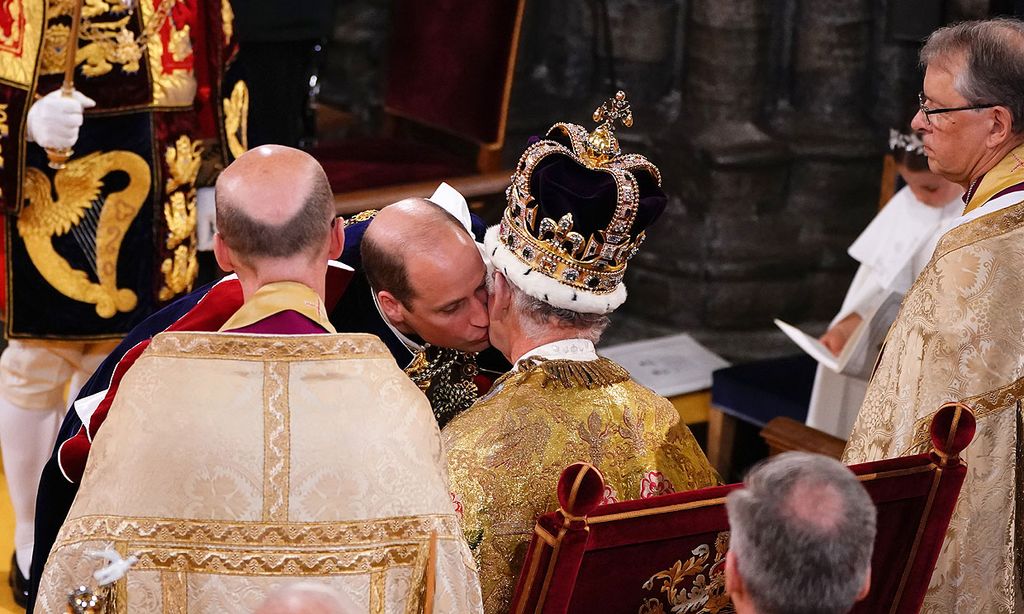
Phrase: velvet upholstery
pixel 560 185
pixel 361 164
pixel 449 71
pixel 449 63
pixel 655 554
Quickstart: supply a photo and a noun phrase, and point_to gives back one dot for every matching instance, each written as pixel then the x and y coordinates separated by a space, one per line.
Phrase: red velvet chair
pixel 667 553
pixel 448 87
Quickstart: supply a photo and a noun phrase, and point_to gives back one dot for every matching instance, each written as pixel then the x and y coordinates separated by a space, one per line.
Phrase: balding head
pixel 307 598
pixel 427 274
pixel 410 228
pixel 802 525
pixel 274 202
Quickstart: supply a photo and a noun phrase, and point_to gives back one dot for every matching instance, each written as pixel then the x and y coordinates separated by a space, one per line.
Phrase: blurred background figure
pixel 307 598
pixel 892 251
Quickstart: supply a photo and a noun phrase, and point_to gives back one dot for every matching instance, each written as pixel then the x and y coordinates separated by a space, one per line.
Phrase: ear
pixel 1002 127
pixel 864 590
pixel 501 300
pixel 222 254
pixel 337 239
pixel 733 581
pixel 393 309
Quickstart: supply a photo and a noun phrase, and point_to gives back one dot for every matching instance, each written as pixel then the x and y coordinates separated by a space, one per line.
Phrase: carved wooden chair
pixel 667 553
pixel 446 100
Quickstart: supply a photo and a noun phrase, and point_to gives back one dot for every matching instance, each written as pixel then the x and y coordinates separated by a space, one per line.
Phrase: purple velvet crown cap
pixel 561 185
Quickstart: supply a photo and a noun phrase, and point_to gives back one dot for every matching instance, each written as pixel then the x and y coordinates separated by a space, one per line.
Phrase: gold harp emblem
pixel 97 226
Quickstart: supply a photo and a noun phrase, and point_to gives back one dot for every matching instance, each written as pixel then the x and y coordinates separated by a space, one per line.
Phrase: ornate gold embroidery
pixel 378 592
pixel 183 162
pixel 180 220
pixel 78 187
pixel 227 20
pixel 19 50
pixel 235 534
pixel 236 119
pixel 576 374
pixel 175 87
pixel 362 216
pixel 179 270
pixel 259 347
pixel 174 591
pixel 446 378
pixel 253 548
pixel 706 592
pixel 55 43
pixel 277 452
pixel 5 131
pixel 542 427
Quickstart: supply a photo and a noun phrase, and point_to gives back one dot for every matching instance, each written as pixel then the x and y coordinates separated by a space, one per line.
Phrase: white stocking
pixel 26 442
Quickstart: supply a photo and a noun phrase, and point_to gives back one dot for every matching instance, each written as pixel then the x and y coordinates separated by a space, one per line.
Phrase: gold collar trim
pixel 588 374
pixel 277 297
pixel 1008 173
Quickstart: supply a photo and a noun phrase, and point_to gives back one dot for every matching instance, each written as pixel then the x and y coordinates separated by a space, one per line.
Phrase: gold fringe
pixel 582 374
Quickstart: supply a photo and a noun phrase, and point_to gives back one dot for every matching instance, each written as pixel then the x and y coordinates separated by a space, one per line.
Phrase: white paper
pixel 669 366
pixel 818 351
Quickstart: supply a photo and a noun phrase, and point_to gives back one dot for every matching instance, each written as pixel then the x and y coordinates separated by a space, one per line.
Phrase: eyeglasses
pixel 929 112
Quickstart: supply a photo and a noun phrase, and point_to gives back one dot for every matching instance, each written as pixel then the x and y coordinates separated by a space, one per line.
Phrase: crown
pixel 588 256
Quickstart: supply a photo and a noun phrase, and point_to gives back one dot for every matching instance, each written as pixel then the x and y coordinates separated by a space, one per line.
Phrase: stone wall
pixel 766 117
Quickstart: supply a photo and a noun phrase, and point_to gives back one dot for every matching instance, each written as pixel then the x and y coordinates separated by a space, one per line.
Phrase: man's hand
pixel 836 337
pixel 54 120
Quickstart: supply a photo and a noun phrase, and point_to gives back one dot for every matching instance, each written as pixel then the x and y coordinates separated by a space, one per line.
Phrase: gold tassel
pixel 589 374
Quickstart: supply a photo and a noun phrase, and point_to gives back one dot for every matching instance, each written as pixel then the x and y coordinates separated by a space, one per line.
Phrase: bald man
pixel 271 425
pixel 803 530
pixel 423 294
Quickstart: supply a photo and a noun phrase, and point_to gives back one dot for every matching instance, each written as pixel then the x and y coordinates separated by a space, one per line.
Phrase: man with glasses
pixel 960 332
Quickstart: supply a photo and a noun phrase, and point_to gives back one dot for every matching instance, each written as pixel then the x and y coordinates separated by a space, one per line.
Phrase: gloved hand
pixel 206 219
pixel 54 120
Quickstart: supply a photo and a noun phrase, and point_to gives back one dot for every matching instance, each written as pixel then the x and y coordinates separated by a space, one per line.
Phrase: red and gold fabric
pixel 91 249
pixel 667 554
pixel 506 452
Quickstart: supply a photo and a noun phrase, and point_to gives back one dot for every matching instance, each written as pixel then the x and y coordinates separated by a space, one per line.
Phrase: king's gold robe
pixel 959 336
pixel 233 463
pixel 505 455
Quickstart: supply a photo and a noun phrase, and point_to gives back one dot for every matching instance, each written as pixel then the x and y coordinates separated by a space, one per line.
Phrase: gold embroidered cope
pixel 229 463
pixel 505 455
pixel 958 337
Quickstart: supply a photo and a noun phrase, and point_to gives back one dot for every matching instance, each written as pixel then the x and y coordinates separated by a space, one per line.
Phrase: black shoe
pixel 19 584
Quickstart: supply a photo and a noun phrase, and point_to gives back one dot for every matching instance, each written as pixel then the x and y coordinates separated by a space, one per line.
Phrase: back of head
pixel 803 530
pixel 306 598
pixel 274 202
pixel 993 55
pixel 407 229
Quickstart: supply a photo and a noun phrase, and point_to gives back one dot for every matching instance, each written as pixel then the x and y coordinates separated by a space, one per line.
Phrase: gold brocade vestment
pixel 960 337
pixel 505 455
pixel 232 463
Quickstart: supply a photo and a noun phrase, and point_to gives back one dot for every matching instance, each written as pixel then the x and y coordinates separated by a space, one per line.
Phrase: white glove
pixel 206 219
pixel 54 120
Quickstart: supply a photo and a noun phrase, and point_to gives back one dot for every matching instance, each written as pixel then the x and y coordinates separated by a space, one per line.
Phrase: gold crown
pixel 595 263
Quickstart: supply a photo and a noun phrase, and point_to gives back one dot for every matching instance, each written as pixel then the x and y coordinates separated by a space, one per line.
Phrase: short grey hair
pixel 803 529
pixel 538 317
pixel 993 53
